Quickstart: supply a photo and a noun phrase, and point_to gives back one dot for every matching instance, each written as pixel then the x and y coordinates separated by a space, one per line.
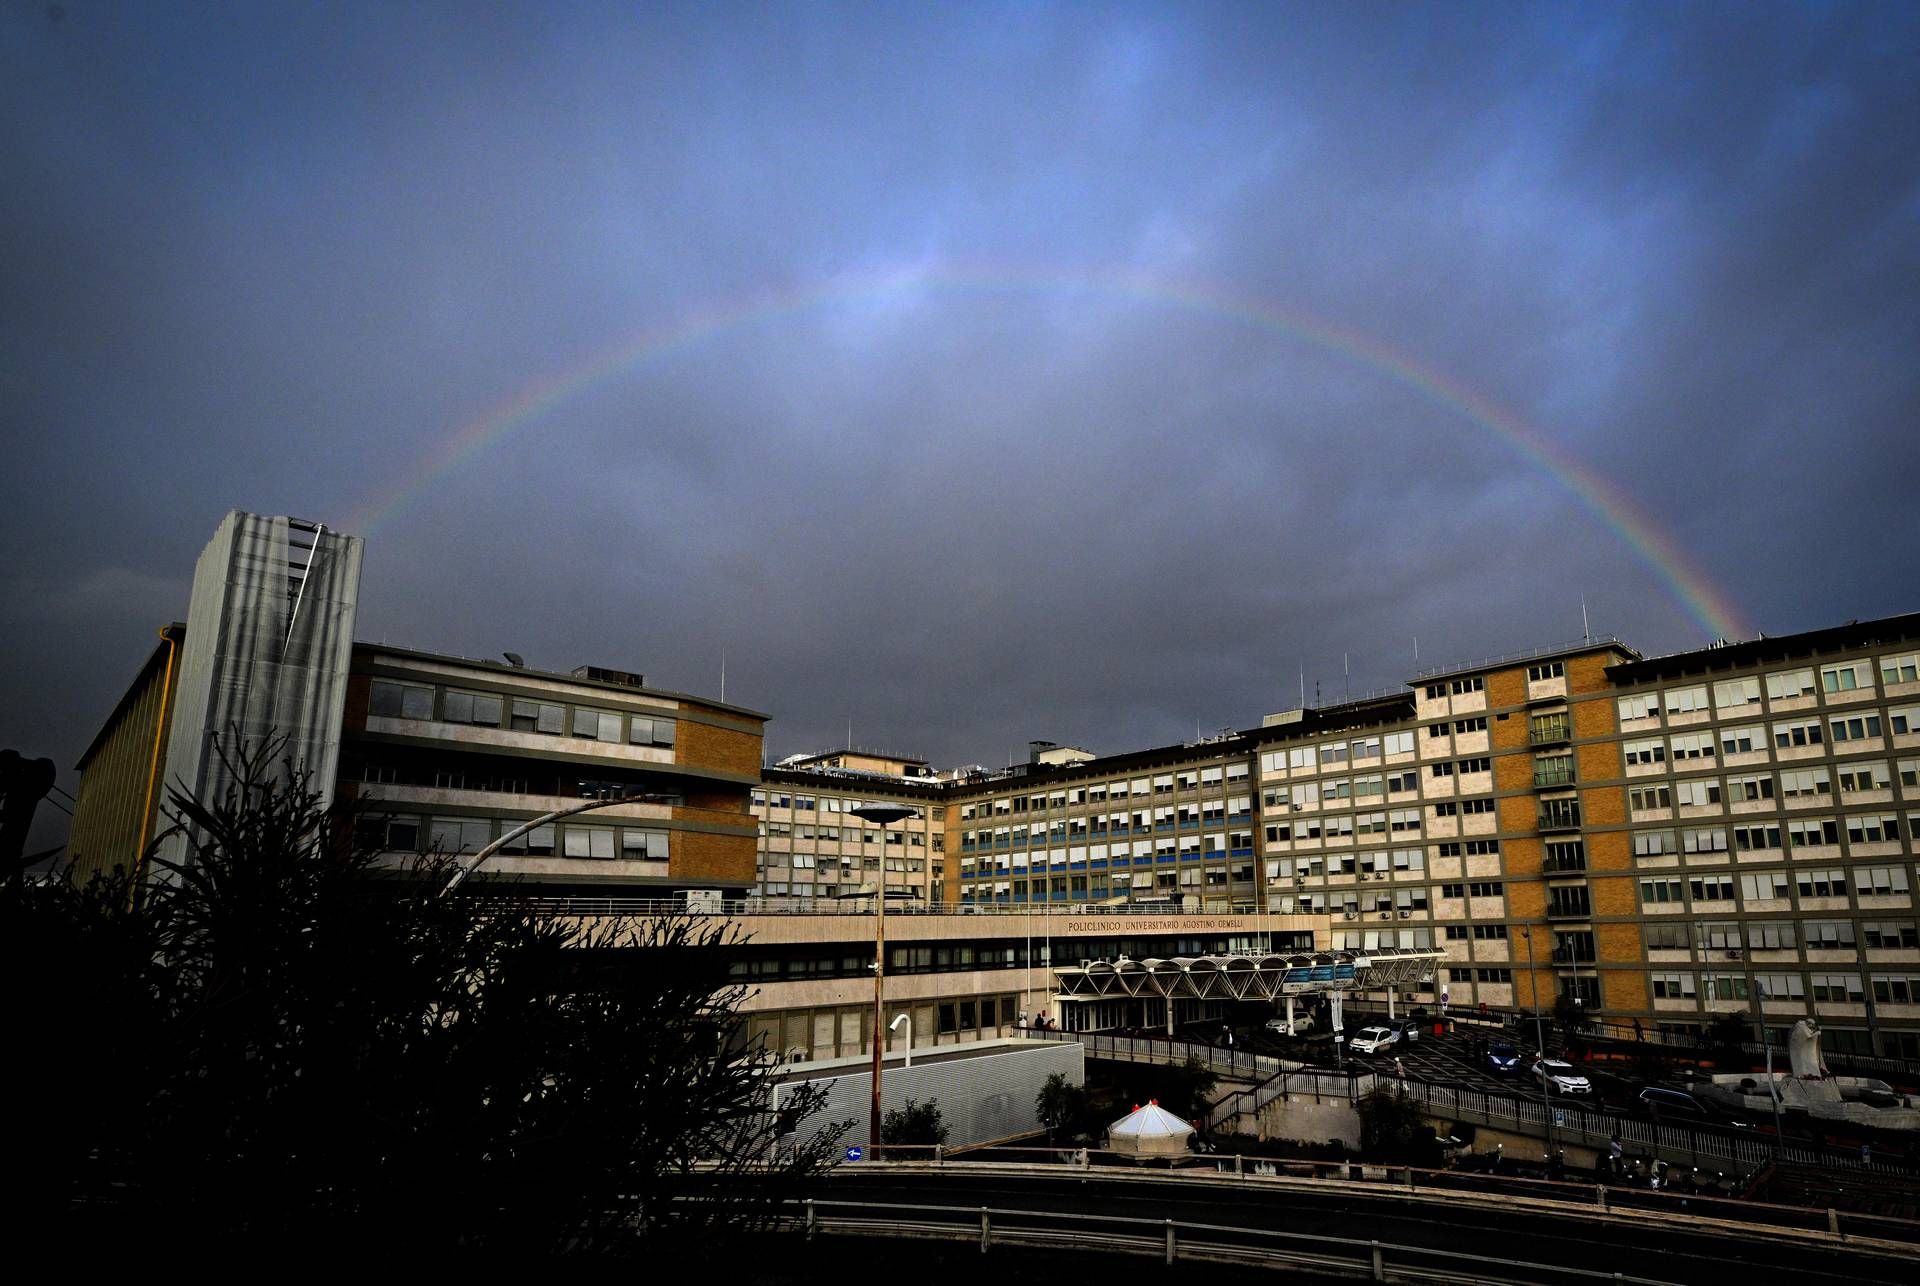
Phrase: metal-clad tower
pixel 269 638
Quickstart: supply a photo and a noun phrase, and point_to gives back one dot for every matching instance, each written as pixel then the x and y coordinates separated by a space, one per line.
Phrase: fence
pixel 1740 1151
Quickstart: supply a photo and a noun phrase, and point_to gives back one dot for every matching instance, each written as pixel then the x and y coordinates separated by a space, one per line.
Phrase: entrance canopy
pixel 1250 977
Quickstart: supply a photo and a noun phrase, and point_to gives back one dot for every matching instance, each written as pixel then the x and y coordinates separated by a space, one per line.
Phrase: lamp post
pixel 883 816
pixel 1540 1038
pixel 895 1026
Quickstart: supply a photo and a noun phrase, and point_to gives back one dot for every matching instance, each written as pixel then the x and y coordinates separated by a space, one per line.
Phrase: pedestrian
pixel 1639 1032
pixel 1866 1154
pixel 1615 1153
pixel 1399 1069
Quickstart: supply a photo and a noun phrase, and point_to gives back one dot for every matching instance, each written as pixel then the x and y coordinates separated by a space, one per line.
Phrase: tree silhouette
pixel 274 1042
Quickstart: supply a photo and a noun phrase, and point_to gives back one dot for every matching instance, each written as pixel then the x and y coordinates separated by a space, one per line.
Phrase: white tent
pixel 1149 1131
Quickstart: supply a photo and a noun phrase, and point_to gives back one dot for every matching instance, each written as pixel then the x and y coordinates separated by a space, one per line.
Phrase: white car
pixel 1560 1077
pixel 1371 1040
pixel 1301 1026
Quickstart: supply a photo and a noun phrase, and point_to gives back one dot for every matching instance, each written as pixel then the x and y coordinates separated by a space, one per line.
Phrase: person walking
pixel 1399 1069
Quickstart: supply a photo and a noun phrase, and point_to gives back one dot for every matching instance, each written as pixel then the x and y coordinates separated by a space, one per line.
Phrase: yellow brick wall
pixel 1513 772
pixel 1510 731
pixel 1614 896
pixel 1618 943
pixel 1517 813
pixel 1507 688
pixel 704 746
pixel 1527 901
pixel 1609 852
pixel 1597 762
pixel 699 855
pixel 1604 806
pixel 1521 856
pixel 1592 719
pixel 1588 673
pixel 1622 989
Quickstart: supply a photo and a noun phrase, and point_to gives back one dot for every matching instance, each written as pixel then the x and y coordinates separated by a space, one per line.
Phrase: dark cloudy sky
pixel 273 256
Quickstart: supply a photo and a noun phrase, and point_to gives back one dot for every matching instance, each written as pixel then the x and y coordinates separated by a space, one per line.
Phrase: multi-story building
pixel 812 846
pixel 1666 839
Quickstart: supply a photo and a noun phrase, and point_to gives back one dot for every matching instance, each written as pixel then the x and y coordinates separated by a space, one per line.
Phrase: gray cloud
pixel 273 259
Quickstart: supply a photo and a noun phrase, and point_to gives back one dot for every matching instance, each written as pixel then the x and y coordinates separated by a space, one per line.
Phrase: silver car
pixel 1371 1040
pixel 1560 1077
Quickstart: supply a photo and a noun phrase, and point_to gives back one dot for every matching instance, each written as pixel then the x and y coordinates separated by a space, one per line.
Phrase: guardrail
pixel 1742 1151
pixel 859 906
pixel 1241 1171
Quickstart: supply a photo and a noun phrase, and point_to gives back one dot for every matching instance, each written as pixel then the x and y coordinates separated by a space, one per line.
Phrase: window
pixel 538 716
pixel 1666 936
pixel 1662 892
pixel 1757 837
pixel 1743 740
pixel 1890 935
pixel 1873 829
pixel 1829 935
pixel 1837 988
pixel 399 700
pixel 1403 781
pixel 1686 700
pixel 1460 687
pixel 1398 743
pixel 1900 669
pixel 1404 821
pixel 650 732
pixel 1711 888
pixel 1442 769
pixel 1822 884
pixel 1699 793
pixel 1742 790
pixel 1904 720
pixel 1765 886
pixel 537 842
pixel 1694 745
pixel 1846 678
pixel 1731 693
pixel 1646 752
pixel 1813 831
pixel 1473 806
pixel 1654 843
pixel 1804 783
pixel 1789 736
pixel 459 834
pixel 1704 839
pixel 1770 935
pixel 1477 724
pixel 1645 705
pixel 652 845
pixel 1548 670
pixel 1859 727
pixel 1480 764
pixel 1489 933
pixel 1493 975
pixel 1784 685
pixel 1642 798
pixel 390 834
pixel 471 707
pixel 1867 776
pixel 1673 986
pixel 1485 889
pixel 1486 847
pixel 1880 881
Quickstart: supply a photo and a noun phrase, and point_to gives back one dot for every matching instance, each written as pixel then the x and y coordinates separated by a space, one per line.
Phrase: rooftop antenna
pixel 849 732
pixel 1346 672
pixel 723 674
pixel 1416 650
pixel 1303 686
pixel 1586 631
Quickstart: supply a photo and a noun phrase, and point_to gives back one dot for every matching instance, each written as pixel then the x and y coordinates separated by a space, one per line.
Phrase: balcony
pixel 1560 815
pixel 1580 908
pixel 1551 731
pixel 1565 864
pixel 1553 774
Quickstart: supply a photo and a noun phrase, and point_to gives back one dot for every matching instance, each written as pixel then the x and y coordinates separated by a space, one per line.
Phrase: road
pixel 1480 1230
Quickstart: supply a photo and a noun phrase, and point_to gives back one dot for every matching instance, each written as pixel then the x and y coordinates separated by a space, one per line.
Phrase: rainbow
pixel 1711 608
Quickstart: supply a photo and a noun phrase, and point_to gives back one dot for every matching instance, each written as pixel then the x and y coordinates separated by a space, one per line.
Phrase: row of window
pixel 1821 988
pixel 1781 935
pixel 455 835
pixel 1786 734
pixel 1215 778
pixel 484 709
pixel 763 799
pixel 851 835
pixel 1767 836
pixel 1769 886
pixel 1781 685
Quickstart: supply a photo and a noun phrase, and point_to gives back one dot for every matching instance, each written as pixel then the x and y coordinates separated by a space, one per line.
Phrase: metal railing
pixel 1507 658
pixel 860 906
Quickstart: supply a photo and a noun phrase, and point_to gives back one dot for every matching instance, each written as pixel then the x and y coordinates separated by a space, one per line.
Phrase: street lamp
pixel 895 1026
pixel 1540 1039
pixel 883 816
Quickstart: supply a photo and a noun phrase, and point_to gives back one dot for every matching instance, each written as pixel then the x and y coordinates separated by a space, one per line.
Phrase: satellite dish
pixel 515 660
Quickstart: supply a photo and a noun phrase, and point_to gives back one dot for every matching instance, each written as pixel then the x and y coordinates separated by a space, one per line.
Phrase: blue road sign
pixel 854 1154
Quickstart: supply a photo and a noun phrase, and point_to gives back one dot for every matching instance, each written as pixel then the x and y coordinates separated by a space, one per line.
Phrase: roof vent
pixel 600 674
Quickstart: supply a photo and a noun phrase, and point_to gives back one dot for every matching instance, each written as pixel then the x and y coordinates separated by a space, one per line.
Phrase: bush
pixel 916 1123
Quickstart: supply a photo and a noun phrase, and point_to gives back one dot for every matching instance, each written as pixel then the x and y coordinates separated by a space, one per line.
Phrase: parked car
pixel 1302 1024
pixel 1503 1058
pixel 1371 1040
pixel 1405 1029
pixel 1560 1077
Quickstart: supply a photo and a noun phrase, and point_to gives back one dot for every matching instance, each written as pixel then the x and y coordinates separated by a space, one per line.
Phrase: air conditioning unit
pixel 1386 915
pixel 1733 953
pixel 1348 915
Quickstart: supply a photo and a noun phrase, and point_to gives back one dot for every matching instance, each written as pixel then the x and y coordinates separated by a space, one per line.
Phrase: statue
pixel 1803 1052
